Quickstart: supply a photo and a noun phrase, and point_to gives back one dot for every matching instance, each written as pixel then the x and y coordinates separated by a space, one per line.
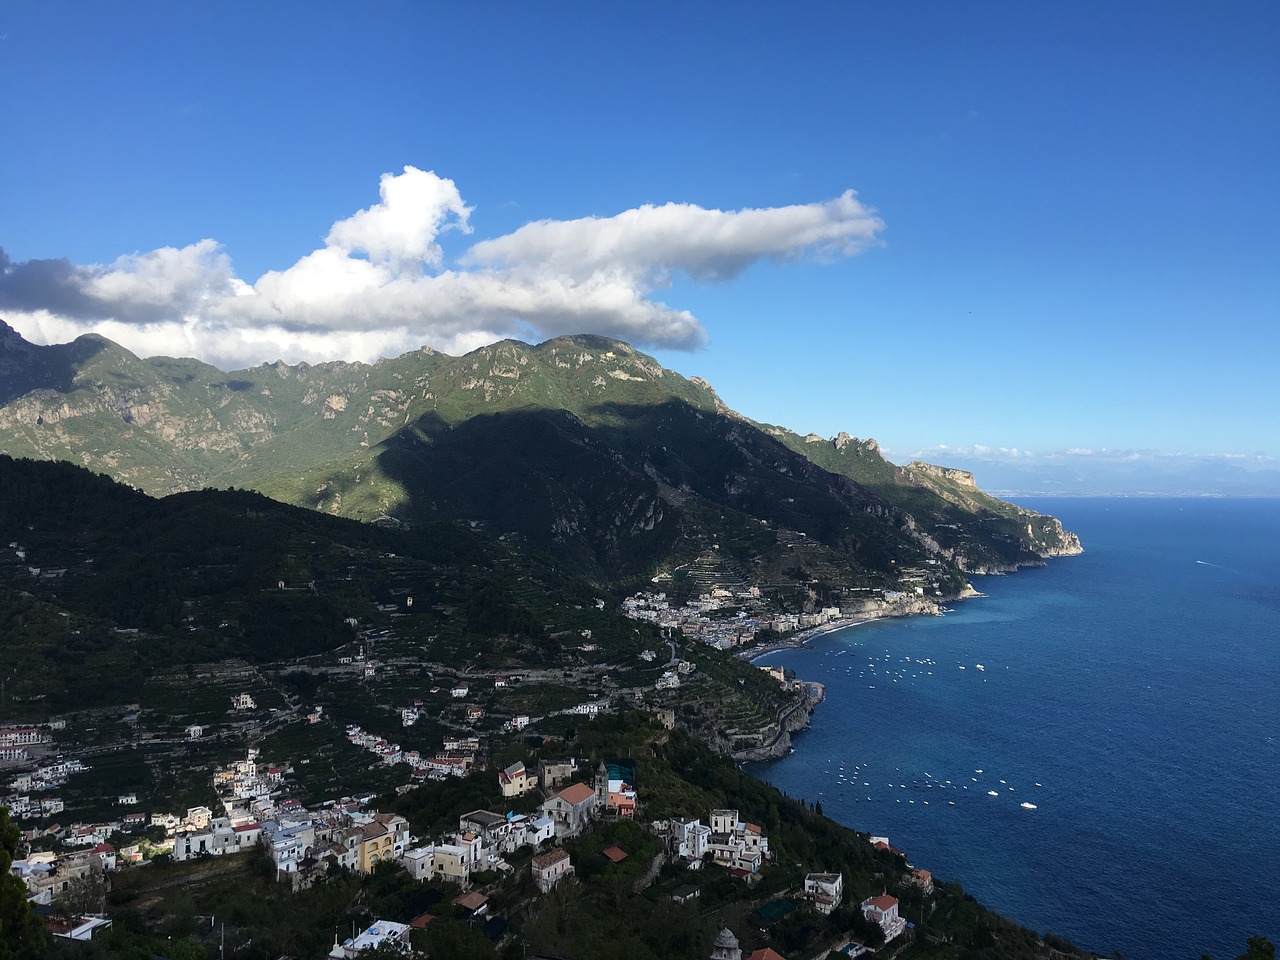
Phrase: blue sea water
pixel 1132 694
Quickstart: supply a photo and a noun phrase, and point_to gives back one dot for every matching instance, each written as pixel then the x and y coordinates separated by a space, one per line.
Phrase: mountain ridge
pixel 580 446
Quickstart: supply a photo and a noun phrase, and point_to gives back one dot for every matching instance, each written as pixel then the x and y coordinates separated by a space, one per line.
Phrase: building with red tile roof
pixel 884 911
pixel 571 809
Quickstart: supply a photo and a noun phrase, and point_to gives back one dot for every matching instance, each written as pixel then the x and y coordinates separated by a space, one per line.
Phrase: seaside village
pixel 725 612
pixel 303 844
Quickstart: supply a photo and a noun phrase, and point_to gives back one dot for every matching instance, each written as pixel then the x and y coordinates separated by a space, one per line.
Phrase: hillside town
pixel 256 816
pixel 704 617
pixel 726 613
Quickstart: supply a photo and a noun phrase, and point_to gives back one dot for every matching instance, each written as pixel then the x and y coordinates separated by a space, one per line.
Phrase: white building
pixel 378 933
pixel 22 736
pixel 688 838
pixel 724 821
pixel 826 890
pixel 539 830
pixel 287 843
pixel 217 839
pixel 527 831
pixel 884 911
pixel 736 844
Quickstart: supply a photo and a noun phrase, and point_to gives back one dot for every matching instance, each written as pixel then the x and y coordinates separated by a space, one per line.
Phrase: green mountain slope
pixel 581 447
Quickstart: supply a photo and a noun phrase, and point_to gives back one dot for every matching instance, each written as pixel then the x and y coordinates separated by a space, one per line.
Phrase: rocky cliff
pixel 774 741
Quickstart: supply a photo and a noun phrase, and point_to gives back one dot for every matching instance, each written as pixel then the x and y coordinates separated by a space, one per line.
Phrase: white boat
pixel 979 666
pixel 992 793
pixel 1028 806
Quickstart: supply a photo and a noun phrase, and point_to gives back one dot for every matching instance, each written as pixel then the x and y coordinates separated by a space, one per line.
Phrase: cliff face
pixel 961 478
pixel 1054 539
pixel 775 739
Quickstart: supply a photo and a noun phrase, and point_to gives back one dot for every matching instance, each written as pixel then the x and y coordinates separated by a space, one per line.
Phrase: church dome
pixel 726 946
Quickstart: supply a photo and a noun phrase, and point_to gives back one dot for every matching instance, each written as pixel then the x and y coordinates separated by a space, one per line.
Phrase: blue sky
pixel 1064 235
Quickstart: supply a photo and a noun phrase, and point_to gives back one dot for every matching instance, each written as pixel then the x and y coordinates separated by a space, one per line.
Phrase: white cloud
pixel 402 228
pixel 650 243
pixel 158 284
pixel 379 286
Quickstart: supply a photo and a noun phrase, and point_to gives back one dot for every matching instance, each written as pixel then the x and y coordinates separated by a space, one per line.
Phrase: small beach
pixel 801 638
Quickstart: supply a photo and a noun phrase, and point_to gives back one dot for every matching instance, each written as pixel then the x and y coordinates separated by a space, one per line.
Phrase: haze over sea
pixel 1132 694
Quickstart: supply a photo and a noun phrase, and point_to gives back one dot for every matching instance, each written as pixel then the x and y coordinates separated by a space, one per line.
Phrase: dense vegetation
pixel 213 575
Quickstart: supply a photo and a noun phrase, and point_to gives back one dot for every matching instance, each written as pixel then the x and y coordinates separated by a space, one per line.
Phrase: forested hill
pixel 100 584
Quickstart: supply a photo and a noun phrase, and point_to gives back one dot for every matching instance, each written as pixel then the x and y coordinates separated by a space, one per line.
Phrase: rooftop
pixel 472 901
pixel 549 859
pixel 576 794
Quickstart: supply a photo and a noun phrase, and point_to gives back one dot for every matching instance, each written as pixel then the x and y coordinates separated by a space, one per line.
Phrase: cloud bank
pixel 380 285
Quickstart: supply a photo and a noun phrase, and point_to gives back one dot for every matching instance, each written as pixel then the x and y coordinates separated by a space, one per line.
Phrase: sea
pixel 1091 748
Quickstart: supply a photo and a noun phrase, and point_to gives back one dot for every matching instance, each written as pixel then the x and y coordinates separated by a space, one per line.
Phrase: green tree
pixel 1260 948
pixel 22 936
pixel 458 940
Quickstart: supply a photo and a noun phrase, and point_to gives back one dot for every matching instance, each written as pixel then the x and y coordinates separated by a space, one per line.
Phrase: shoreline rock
pixel 795 719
